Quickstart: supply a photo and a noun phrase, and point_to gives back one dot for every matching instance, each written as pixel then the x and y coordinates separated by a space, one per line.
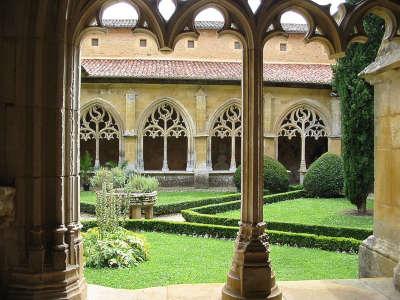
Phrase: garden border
pixel 217 231
pixel 173 208
pixel 205 215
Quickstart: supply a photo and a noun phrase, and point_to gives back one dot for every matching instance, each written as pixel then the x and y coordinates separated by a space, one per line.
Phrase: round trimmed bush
pixel 325 177
pixel 276 177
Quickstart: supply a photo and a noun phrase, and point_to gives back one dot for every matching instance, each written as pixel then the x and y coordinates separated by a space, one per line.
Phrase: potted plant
pixel 86 170
pixel 141 192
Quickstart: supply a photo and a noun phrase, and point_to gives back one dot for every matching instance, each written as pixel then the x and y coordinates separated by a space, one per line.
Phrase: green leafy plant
pixel 141 184
pixel 276 177
pixel 118 177
pixel 114 178
pixel 86 166
pixel 325 177
pixel 357 106
pixel 119 249
pixel 101 176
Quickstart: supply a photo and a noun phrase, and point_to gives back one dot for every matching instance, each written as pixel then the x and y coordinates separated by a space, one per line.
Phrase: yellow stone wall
pixel 130 102
pixel 387 158
pixel 123 43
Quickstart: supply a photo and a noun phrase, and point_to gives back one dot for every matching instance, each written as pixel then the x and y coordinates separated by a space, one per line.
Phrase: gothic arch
pixel 100 111
pixel 310 104
pixel 225 122
pixel 180 125
pixel 301 138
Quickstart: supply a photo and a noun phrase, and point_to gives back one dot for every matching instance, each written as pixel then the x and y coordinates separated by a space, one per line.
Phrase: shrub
pixel 357 107
pixel 109 211
pixel 114 178
pixel 276 178
pixel 325 176
pixel 114 250
pixel 118 177
pixel 141 184
pixel 86 166
pixel 101 176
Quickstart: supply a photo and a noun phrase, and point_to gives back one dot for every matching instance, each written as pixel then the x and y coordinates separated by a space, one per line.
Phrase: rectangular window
pixel 143 43
pixel 95 42
pixel 238 45
pixel 283 47
pixel 190 44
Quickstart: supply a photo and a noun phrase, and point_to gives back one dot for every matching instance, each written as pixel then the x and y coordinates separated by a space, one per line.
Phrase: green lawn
pixel 165 197
pixel 176 259
pixel 329 212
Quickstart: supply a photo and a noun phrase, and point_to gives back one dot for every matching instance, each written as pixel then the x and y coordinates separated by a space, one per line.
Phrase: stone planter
pixel 137 201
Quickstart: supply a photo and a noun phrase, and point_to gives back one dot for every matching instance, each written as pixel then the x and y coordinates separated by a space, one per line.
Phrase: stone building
pixel 178 116
pixel 41 249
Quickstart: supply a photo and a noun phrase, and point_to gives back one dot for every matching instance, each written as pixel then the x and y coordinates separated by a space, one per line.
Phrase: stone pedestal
pixel 379 254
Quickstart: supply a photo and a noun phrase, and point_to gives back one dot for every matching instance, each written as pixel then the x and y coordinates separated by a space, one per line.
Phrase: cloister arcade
pixel 41 247
pixel 166 139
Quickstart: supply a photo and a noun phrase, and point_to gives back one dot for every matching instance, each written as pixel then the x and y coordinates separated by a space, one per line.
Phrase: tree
pixel 357 106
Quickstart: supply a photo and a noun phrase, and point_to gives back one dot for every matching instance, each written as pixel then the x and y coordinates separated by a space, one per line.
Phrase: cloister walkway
pixel 363 289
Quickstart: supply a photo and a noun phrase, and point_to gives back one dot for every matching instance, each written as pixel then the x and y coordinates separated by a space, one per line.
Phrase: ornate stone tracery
pixel 165 121
pixel 304 122
pixel 96 124
pixel 229 124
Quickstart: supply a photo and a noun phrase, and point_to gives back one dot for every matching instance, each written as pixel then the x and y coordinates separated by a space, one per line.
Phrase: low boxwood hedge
pixel 173 208
pixel 230 232
pixel 205 215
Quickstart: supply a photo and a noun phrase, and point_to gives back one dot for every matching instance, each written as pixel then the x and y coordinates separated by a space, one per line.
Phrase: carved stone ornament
pixel 305 122
pixel 165 121
pixel 97 123
pixel 229 123
pixel 7 205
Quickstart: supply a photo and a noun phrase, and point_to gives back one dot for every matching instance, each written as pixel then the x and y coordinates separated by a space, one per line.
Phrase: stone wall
pixel 122 43
pixel 200 103
pixel 380 253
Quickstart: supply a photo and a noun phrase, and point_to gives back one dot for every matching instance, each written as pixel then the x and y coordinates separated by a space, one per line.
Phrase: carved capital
pixel 7 206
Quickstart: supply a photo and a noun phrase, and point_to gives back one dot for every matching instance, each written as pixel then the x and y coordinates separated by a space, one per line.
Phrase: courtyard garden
pixel 311 227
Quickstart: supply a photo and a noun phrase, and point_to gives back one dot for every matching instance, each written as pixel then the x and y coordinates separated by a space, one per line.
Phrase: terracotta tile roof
pixel 201 25
pixel 203 70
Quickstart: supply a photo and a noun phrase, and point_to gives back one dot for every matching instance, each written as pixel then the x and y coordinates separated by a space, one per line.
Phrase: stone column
pixel 42 254
pixel 130 135
pixel 201 172
pixel 334 140
pixel 251 275
pixel 269 136
pixel 379 254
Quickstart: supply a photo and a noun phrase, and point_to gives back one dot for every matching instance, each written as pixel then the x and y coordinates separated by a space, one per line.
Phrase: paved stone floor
pixel 364 289
pixel 173 217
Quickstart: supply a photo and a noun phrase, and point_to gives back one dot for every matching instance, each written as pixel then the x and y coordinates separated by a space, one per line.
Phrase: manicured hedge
pixel 205 215
pixel 232 205
pixel 218 231
pixel 356 233
pixel 276 177
pixel 173 208
pixel 325 177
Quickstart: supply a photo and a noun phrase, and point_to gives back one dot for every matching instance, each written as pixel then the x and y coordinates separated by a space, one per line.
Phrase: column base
pixel 251 275
pixel 66 285
pixel 377 258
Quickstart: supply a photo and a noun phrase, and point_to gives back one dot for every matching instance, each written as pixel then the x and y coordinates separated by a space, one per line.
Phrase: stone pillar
pixel 379 254
pixel 269 137
pixel 130 135
pixel 201 171
pixel 251 275
pixel 335 138
pixel 42 256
